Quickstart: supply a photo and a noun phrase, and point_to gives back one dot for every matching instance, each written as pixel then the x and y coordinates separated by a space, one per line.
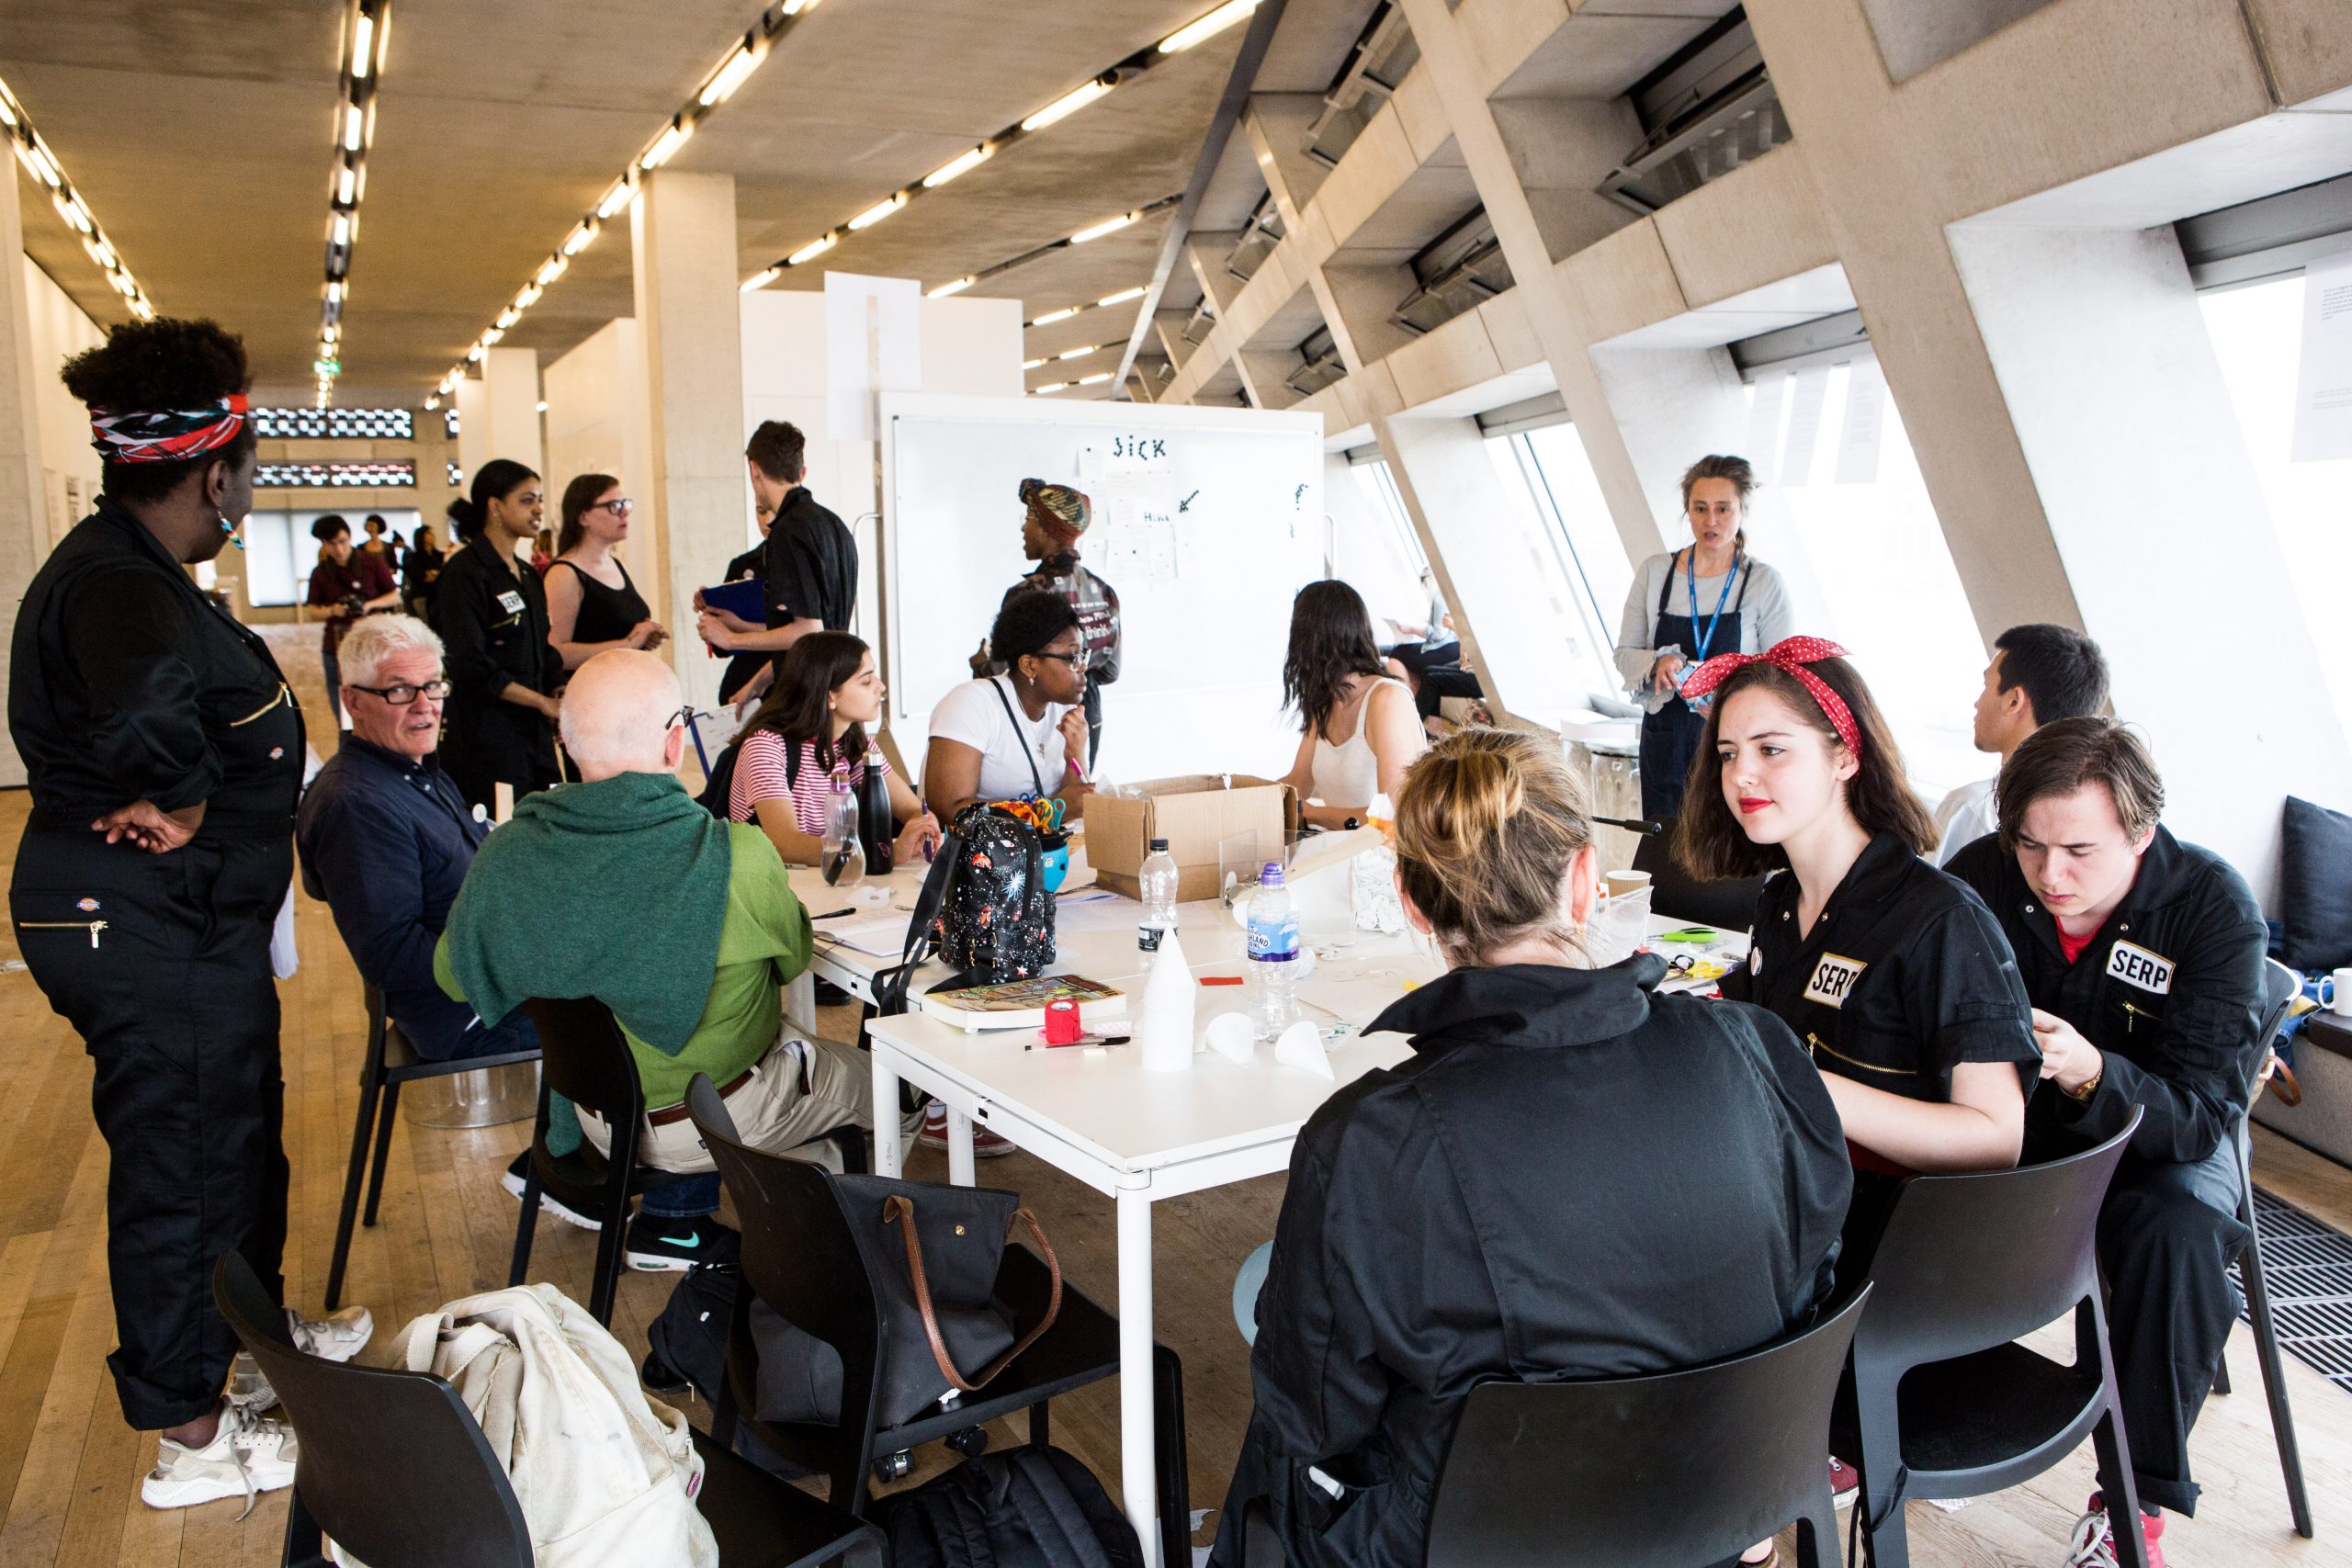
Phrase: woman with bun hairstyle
pixel 1709 597
pixel 502 671
pixel 1421 1251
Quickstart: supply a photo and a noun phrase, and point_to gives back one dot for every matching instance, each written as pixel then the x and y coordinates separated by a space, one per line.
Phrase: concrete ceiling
pixel 200 134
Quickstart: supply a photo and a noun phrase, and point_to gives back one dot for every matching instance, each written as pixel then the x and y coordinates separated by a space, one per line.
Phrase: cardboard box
pixel 1195 814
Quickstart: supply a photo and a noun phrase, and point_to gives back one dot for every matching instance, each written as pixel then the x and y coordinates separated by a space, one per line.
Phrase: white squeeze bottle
pixel 1158 884
pixel 841 854
pixel 1273 955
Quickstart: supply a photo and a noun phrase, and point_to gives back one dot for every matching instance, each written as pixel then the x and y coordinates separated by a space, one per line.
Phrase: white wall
pixel 596 423
pixel 68 464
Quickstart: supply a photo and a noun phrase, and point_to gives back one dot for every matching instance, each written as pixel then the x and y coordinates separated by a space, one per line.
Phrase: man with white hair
pixel 622 888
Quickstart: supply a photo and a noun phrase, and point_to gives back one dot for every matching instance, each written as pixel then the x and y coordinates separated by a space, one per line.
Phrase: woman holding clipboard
pixel 1687 606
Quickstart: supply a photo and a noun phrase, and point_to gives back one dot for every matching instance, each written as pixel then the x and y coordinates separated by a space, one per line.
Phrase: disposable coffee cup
pixel 1621 883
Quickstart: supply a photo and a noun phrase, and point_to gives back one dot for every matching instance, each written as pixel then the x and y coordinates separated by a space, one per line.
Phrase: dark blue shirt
pixel 386 841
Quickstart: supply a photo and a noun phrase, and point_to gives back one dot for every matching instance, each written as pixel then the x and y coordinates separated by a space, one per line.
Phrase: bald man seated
pixel 622 888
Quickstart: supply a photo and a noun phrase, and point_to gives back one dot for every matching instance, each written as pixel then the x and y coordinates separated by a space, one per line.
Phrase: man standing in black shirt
pixel 2143 956
pixel 810 560
pixel 165 753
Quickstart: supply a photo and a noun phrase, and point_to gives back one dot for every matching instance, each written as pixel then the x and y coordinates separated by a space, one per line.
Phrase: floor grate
pixel 2308 1265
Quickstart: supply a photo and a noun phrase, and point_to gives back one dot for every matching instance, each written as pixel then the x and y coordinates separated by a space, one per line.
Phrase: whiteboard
pixel 1207 522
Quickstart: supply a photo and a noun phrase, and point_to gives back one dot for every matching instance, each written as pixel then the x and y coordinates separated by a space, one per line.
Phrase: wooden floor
pixel 70 1468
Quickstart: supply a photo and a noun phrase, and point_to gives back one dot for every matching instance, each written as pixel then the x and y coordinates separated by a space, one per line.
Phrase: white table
pixel 1092 1113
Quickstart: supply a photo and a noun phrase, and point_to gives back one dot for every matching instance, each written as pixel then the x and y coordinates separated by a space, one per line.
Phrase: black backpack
pixel 984 908
pixel 1027 1508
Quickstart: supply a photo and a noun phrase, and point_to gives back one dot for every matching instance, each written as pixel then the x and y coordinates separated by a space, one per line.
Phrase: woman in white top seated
pixel 1021 734
pixel 1360 729
pixel 811 725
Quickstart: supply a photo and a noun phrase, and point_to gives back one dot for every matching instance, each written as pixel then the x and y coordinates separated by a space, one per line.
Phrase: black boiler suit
pixel 2170 991
pixel 493 622
pixel 129 683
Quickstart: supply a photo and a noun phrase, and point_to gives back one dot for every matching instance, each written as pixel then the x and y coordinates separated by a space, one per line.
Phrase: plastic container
pixel 840 853
pixel 1275 959
pixel 1157 880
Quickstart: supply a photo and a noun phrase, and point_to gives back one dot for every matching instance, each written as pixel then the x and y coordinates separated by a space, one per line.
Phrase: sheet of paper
pixel 883 934
pixel 2323 378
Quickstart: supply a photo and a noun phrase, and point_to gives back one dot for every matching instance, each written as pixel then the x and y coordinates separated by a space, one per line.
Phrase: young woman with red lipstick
pixel 1892 974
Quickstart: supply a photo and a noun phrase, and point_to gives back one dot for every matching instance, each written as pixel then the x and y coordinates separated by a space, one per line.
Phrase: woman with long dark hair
pixel 503 673
pixel 588 611
pixel 1359 727
pixel 811 725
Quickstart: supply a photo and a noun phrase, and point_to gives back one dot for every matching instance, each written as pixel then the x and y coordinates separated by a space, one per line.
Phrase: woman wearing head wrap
pixel 165 753
pixel 1055 519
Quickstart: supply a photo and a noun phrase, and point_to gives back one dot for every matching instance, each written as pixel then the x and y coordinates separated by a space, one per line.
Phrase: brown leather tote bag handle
pixel 900 1210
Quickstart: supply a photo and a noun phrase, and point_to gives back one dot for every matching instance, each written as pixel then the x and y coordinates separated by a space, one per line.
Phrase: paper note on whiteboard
pixel 2324 380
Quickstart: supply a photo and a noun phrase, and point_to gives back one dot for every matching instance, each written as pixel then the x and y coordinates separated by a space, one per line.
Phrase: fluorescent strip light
pixel 960 166
pixel 760 279
pixel 143 311
pixel 1034 364
pixel 665 145
pixel 70 209
pixel 1079 352
pixel 739 64
pixel 474 353
pixel 346 185
pixel 1067 105
pixel 1052 387
pixel 619 197
pixel 1121 297
pixel 490 337
pixel 810 251
pixel 955 286
pixel 878 211
pixel 1050 317
pixel 794 8
pixel 99 252
pixel 1108 226
pixel 1208 27
pixel 549 270
pixel 363 46
pixel 432 402
pixel 7 109
pixel 543 406
pixel 36 158
pixel 355 128
pixel 337 289
pixel 122 284
pixel 579 239
pixel 508 318
pixel 528 297
pixel 1094 380
pixel 342 228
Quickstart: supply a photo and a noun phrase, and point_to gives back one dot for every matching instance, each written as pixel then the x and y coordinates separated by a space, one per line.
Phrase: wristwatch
pixel 1351 824
pixel 2083 1095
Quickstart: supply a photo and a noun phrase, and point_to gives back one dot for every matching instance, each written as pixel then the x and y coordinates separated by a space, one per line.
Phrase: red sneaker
pixel 2094 1543
pixel 985 1143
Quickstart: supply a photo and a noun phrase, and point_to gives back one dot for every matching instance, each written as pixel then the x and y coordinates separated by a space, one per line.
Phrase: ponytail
pixel 499 478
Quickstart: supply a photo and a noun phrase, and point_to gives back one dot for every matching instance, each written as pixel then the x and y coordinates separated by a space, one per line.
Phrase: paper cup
pixel 1622 882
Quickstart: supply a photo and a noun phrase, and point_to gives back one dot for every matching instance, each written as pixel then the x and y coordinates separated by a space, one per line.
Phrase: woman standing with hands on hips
pixel 502 671
pixel 1686 606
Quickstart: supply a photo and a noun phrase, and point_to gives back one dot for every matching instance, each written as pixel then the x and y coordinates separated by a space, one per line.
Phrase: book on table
pixel 1021 1004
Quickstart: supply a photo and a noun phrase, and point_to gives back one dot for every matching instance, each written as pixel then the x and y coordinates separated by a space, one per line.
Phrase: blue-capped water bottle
pixel 1274 958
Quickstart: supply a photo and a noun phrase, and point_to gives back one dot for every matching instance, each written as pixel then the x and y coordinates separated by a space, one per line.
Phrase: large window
pixel 1560 652
pixel 1375 551
pixel 2258 332
pixel 1583 545
pixel 1844 516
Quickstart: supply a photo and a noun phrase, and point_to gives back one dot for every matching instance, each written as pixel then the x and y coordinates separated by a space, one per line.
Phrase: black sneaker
pixel 519 1171
pixel 658 1243
pixel 661 1377
pixel 832 996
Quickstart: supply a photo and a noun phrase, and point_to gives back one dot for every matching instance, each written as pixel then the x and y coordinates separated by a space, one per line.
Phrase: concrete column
pixel 24 531
pixel 682 236
pixel 498 414
pixel 2157 515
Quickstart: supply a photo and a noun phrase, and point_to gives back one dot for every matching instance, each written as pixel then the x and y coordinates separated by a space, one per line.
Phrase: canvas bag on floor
pixel 606 1476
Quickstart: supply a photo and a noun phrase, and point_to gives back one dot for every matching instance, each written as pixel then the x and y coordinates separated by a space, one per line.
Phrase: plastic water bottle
pixel 1274 958
pixel 840 854
pixel 1158 885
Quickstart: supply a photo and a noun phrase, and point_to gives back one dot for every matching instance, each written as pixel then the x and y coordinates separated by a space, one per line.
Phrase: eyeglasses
pixel 1065 658
pixel 401 693
pixel 620 506
pixel 685 716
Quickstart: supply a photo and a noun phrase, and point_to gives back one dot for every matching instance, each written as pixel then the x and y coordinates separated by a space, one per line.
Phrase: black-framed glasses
pixel 1065 658
pixel 620 506
pixel 685 716
pixel 400 694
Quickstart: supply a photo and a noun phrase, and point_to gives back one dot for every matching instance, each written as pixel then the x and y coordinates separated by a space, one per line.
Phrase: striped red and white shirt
pixel 760 775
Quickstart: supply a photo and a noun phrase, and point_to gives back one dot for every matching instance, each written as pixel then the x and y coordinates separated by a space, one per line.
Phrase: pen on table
pixel 834 914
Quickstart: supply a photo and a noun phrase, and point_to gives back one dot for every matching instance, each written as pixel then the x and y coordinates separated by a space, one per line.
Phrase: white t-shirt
pixel 974 714
pixel 1966 815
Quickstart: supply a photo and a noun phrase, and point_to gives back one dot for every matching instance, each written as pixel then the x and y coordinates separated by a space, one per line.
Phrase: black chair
pixel 1660 1471
pixel 391 1062
pixel 1940 1402
pixel 1676 894
pixel 396 1469
pixel 2281 987
pixel 802 1260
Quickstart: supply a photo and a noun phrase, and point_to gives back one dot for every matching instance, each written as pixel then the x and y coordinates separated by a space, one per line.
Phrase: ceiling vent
pixel 1460 270
pixel 1260 233
pixel 1318 364
pixel 1708 109
pixel 1375 67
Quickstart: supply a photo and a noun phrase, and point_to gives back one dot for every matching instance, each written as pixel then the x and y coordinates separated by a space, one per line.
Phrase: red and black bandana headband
pixel 168 437
pixel 1792 654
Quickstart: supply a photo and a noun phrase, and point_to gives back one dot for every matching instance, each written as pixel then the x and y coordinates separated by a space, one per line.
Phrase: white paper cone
pixel 1164 1032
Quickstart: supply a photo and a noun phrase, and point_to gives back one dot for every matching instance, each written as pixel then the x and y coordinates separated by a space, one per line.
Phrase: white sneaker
pixel 248 1456
pixel 337 1336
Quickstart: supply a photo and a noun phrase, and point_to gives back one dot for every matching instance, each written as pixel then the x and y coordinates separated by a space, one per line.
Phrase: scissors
pixel 1054 809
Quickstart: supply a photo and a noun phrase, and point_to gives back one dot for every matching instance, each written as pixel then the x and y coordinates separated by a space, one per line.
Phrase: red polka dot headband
pixel 1792 654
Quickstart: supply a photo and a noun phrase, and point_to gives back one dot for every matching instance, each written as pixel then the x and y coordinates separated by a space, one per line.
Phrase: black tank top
pixel 607 615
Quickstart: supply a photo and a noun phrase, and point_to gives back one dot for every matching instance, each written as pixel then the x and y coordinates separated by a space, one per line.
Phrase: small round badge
pixel 88 905
pixel 275 753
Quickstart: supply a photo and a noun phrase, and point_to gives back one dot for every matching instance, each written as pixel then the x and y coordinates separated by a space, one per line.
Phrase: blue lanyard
pixel 1691 582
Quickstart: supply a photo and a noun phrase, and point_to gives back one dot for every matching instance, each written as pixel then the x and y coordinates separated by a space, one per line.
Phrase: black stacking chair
pixel 1941 1401
pixel 396 1469
pixel 801 1258
pixel 1660 1471
pixel 2280 986
pixel 1729 905
pixel 391 1062
pixel 584 1059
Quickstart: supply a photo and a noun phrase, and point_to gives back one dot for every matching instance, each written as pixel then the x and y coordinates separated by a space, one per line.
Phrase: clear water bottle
pixel 1275 956
pixel 1157 880
pixel 840 853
